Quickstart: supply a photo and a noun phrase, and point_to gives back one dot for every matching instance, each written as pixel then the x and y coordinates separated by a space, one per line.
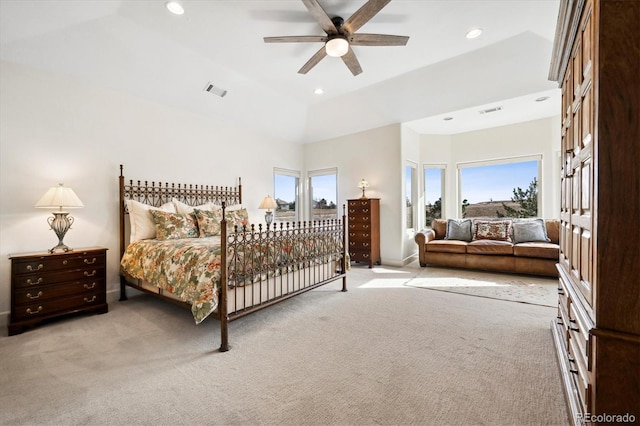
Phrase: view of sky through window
pixel 496 182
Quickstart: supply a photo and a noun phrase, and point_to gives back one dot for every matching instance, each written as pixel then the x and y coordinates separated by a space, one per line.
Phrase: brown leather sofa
pixel 534 258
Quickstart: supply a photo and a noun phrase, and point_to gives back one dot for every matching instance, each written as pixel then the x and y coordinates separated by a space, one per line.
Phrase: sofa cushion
pixel 447 246
pixel 527 230
pixel 499 230
pixel 439 227
pixel 491 247
pixel 540 250
pixel 458 230
pixel 553 230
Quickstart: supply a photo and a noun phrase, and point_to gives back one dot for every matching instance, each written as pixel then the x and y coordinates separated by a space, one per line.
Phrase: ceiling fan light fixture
pixel 337 46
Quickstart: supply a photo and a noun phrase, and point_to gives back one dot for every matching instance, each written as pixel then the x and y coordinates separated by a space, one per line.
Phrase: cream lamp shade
pixel 61 198
pixel 268 203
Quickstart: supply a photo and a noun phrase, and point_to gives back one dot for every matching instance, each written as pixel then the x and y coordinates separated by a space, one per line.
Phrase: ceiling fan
pixel 341 35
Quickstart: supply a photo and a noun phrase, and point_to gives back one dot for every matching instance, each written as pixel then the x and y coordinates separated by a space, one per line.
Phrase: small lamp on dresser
pixel 268 203
pixel 362 185
pixel 61 198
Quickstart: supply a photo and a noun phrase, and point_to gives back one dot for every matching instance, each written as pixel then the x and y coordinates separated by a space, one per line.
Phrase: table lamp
pixel 61 198
pixel 268 203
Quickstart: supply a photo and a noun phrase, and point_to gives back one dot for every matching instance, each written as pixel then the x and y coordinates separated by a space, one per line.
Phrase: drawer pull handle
pixel 64 262
pixel 89 274
pixel 90 262
pixel 30 312
pixel 561 291
pixel 34 297
pixel 30 268
pixel 93 299
pixel 89 287
pixel 574 371
pixel 39 281
pixel 574 328
pixel 365 235
pixel 365 210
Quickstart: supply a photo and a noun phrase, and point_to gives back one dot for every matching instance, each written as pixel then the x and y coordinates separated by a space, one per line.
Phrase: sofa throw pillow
pixel 458 230
pixel 530 230
pixel 171 226
pixel 498 230
pixel 209 222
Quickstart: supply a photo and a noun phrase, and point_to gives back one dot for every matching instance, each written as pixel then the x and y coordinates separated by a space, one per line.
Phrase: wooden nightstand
pixel 49 285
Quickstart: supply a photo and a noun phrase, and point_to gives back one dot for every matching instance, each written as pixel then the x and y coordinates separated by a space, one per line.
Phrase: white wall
pixel 539 137
pixel 55 129
pixel 373 155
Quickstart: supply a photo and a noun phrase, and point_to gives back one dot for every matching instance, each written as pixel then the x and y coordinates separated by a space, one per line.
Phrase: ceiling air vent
pixel 215 90
pixel 486 111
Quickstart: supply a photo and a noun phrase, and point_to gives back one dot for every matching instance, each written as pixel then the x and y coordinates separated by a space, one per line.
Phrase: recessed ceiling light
pixel 318 91
pixel 175 7
pixel 542 98
pixel 474 33
pixel 448 118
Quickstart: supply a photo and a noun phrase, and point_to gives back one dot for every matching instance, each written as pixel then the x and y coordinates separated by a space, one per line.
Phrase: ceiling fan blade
pixel 320 54
pixel 351 62
pixel 321 16
pixel 377 40
pixel 296 39
pixel 362 15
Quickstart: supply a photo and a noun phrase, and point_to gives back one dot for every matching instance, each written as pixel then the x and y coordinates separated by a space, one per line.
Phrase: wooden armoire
pixel 596 61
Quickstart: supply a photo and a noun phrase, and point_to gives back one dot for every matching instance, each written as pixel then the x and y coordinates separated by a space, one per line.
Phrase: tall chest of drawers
pixel 49 285
pixel 364 230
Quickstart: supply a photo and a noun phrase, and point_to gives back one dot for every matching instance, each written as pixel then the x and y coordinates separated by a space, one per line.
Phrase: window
pixel 323 194
pixel 285 192
pixel 433 190
pixel 410 179
pixel 506 188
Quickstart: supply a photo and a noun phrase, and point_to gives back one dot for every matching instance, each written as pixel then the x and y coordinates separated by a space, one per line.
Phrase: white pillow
pixel 142 225
pixel 186 208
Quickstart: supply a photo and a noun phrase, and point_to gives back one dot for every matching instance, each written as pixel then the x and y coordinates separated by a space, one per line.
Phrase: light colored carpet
pixel 382 353
pixel 516 288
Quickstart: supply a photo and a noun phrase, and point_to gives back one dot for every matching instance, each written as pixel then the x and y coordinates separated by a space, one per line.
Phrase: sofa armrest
pixel 422 238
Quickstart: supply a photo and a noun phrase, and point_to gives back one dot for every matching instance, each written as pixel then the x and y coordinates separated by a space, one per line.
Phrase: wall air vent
pixel 215 90
pixel 486 111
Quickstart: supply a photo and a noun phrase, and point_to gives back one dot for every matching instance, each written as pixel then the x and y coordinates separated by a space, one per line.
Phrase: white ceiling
pixel 141 48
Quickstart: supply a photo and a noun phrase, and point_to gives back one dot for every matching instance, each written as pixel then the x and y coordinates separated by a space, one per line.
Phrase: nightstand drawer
pixel 56 306
pixel 41 293
pixel 53 263
pixel 57 276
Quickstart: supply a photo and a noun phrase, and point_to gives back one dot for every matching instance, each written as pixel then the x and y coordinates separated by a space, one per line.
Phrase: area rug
pixel 523 289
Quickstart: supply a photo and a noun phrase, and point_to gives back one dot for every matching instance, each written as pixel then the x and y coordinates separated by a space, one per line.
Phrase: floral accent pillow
pixel 499 230
pixel 141 221
pixel 208 222
pixel 171 226
pixel 237 218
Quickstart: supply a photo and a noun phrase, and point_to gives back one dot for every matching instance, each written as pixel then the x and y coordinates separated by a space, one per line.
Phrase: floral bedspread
pixel 188 268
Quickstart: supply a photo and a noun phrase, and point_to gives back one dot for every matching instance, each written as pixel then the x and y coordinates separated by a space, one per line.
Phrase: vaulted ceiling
pixel 141 48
